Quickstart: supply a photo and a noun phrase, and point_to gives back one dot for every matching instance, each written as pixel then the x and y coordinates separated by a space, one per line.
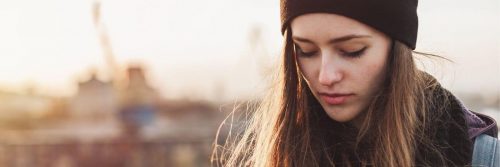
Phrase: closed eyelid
pixel 305 46
pixel 352 47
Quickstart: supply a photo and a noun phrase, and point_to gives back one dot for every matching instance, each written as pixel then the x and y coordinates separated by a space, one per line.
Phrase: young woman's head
pixel 343 61
pixel 342 67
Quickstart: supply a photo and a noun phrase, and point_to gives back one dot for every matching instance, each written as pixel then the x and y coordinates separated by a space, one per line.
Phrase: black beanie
pixel 396 18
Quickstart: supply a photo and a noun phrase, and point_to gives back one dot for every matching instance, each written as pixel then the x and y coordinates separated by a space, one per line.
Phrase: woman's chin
pixel 340 114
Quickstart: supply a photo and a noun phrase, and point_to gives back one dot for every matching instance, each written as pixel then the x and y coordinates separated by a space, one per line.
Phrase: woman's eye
pixel 355 53
pixel 301 53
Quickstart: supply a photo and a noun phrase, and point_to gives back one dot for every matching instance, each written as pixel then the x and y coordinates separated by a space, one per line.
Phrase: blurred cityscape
pixel 120 122
pixel 105 126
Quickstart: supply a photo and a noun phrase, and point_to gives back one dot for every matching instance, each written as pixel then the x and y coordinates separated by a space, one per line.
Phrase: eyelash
pixel 354 54
pixel 304 54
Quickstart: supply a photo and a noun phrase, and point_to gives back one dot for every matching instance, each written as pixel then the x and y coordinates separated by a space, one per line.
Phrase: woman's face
pixel 343 62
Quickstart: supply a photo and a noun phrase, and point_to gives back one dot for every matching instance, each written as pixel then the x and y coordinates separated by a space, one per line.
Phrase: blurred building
pixel 137 89
pixel 14 105
pixel 138 103
pixel 94 100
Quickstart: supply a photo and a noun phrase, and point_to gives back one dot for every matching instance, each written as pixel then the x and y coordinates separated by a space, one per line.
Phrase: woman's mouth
pixel 335 98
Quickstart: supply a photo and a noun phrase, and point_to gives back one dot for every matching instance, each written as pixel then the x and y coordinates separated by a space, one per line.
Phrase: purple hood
pixel 479 123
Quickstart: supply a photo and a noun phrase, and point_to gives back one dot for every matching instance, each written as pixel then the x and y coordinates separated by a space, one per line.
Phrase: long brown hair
pixel 285 132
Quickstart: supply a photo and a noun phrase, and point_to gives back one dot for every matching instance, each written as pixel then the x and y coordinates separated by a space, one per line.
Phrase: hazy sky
pixel 191 46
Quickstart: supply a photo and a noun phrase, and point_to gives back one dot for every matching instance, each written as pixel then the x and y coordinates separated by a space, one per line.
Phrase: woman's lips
pixel 335 99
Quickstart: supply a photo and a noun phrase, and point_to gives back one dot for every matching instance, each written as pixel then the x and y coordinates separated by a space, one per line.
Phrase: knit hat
pixel 396 18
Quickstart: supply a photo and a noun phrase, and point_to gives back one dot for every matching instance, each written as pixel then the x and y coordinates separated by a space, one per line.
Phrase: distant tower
pixel 138 102
pixel 252 71
pixel 137 89
pixel 259 51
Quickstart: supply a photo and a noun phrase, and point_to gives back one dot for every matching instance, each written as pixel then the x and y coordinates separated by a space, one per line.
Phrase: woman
pixel 349 94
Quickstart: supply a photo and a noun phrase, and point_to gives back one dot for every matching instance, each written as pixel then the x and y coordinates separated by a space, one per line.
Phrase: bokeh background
pixel 138 83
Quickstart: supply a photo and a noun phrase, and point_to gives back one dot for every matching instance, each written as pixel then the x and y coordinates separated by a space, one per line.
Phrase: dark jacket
pixel 453 131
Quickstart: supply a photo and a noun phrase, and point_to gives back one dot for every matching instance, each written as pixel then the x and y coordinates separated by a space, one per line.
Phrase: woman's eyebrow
pixel 332 41
pixel 346 38
pixel 300 39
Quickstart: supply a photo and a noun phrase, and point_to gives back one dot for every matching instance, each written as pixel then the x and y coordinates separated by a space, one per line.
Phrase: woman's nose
pixel 330 71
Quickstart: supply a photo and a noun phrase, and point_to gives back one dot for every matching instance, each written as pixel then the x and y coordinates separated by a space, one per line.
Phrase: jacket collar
pixel 478 123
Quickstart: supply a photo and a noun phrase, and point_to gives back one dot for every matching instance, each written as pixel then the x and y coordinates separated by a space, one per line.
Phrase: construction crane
pixel 113 68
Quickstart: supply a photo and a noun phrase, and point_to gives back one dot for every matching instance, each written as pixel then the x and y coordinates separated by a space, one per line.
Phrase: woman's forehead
pixel 332 25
